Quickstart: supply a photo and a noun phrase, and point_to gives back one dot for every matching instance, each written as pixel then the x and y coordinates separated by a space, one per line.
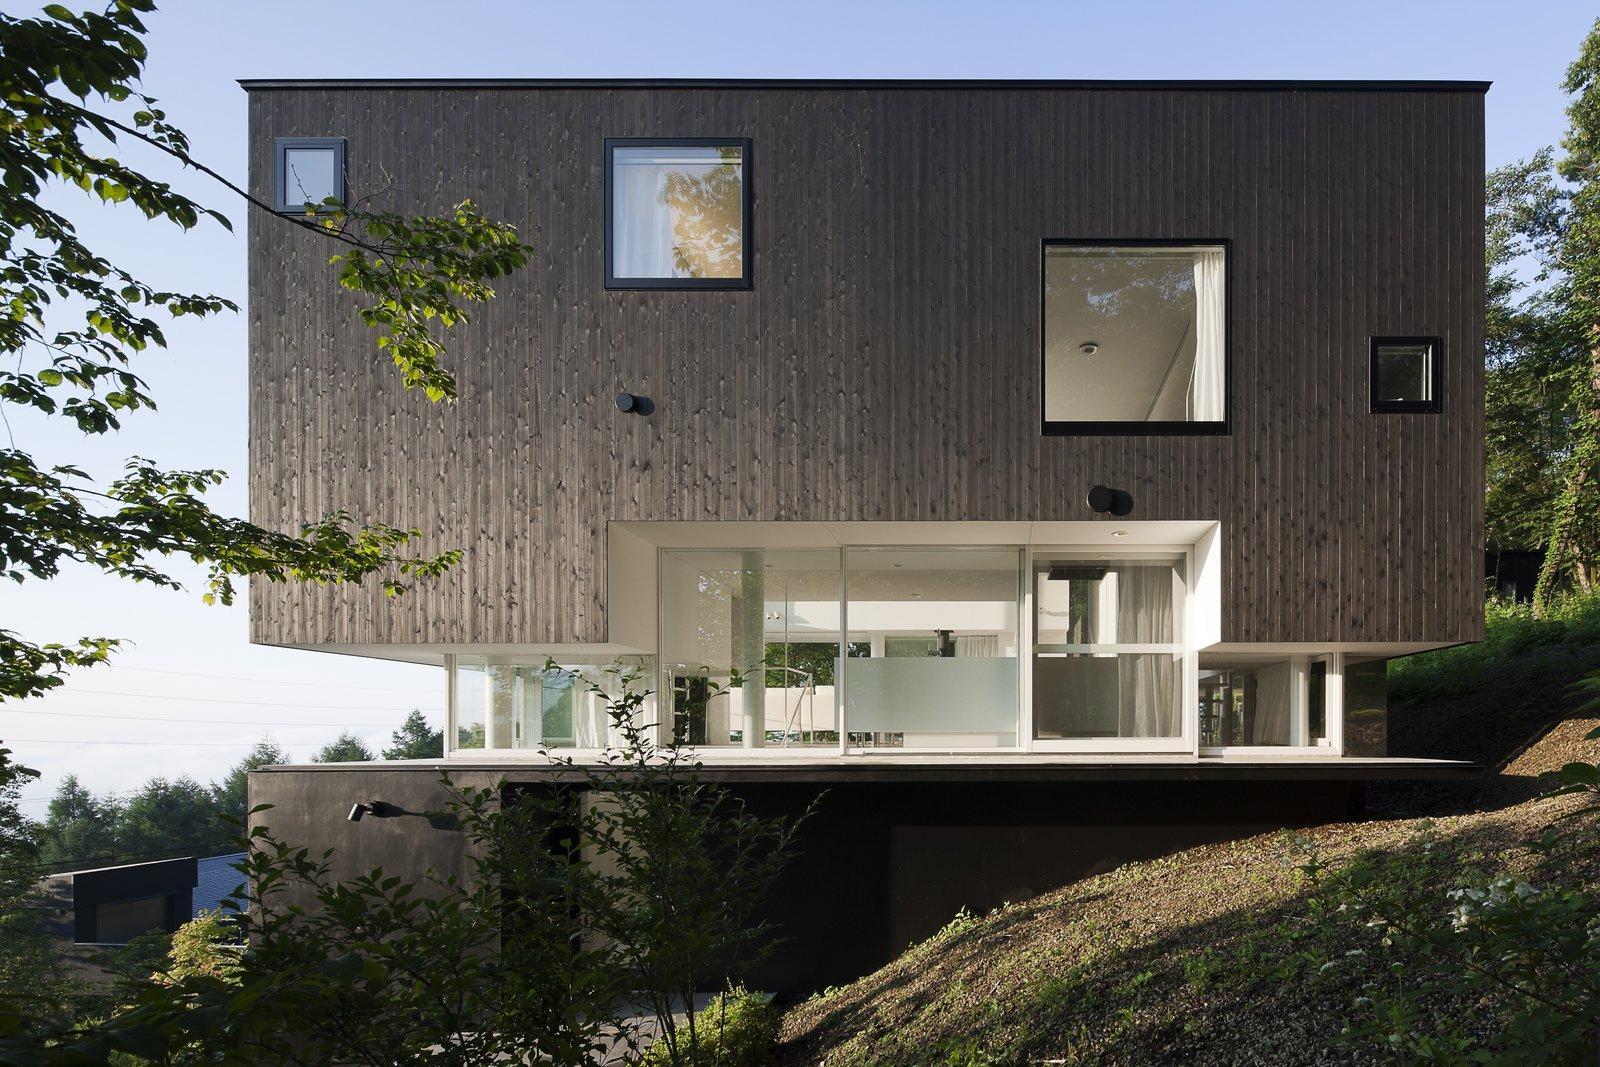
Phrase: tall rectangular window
pixel 1135 337
pixel 939 629
pixel 1108 649
pixel 308 173
pixel 1404 374
pixel 678 214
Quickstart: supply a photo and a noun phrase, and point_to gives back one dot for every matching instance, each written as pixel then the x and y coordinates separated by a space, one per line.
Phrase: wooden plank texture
pixel 885 364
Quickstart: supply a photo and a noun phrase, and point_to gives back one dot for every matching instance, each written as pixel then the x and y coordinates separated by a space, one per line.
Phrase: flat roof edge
pixel 1193 85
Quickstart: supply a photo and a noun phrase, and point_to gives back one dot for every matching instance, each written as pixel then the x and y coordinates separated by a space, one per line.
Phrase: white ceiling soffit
pixel 1110 532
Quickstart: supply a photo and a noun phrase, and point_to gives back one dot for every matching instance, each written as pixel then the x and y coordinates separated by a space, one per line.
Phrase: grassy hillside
pixel 1219 954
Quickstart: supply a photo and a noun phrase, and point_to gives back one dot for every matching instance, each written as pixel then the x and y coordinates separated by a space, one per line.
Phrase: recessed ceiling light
pixel 1119 533
pixel 1088 348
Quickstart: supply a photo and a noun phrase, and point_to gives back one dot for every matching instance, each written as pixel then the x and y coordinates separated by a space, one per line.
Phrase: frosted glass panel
pixel 954 696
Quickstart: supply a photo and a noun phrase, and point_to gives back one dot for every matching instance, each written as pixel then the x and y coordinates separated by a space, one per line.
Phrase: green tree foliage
pixel 76 325
pixel 528 956
pixel 416 740
pixel 170 816
pixel 30 971
pixel 1534 361
pixel 346 748
pixel 79 828
pixel 231 795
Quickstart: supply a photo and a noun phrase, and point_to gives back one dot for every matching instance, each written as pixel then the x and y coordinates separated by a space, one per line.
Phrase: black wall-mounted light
pixel 378 809
pixel 1105 500
pixel 634 404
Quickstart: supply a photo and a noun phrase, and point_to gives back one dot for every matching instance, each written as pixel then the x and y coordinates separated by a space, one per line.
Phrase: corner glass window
pixel 1108 649
pixel 677 214
pixel 1405 374
pixel 1281 703
pixel 519 705
pixel 1135 338
pixel 308 173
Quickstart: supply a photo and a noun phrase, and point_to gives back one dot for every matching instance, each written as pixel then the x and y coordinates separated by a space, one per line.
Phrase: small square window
pixel 308 170
pixel 1405 374
pixel 677 213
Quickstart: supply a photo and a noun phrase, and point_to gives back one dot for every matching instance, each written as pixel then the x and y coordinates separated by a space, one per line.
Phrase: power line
pixel 160 854
pixel 252 703
pixel 271 681
pixel 201 722
pixel 101 741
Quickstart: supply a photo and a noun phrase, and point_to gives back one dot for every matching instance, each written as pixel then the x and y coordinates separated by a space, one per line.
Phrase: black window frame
pixel 280 149
pixel 1435 402
pixel 746 215
pixel 1119 428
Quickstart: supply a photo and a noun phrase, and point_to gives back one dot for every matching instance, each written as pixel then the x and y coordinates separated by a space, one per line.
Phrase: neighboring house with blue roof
pixel 216 879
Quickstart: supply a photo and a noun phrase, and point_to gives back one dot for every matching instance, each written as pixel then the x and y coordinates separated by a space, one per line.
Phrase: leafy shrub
pixel 735 1029
pixel 1461 965
pixel 1568 624
pixel 205 946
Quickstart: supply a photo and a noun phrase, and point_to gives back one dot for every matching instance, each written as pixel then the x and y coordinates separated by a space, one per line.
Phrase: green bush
pixel 736 1029
pixel 1569 623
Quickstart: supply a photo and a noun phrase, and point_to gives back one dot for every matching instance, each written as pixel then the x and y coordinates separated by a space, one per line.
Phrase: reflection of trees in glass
pixel 707 211
pixel 815 657
pixel 1105 286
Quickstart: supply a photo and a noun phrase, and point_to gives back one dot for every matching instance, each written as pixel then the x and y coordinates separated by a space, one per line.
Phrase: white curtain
pixel 1272 706
pixel 978 646
pixel 1210 330
pixel 643 223
pixel 1149 705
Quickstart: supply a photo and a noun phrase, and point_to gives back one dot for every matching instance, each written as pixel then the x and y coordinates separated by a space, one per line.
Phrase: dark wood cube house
pixel 1074 455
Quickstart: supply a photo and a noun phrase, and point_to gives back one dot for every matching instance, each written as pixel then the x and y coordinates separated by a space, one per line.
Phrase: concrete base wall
pixel 881 865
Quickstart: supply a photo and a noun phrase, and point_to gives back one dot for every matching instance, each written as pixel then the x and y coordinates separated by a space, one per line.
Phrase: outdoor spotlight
pixel 635 404
pixel 1105 500
pixel 375 808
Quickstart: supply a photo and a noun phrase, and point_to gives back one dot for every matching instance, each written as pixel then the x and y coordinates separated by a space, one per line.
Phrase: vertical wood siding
pixel 885 364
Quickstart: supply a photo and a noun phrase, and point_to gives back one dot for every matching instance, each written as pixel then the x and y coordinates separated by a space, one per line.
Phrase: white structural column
pixel 750 646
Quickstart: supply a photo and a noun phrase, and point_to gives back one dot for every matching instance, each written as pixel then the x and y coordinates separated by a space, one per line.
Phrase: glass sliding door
pixel 750 647
pixel 1108 656
pixel 503 703
pixel 933 647
pixel 1265 702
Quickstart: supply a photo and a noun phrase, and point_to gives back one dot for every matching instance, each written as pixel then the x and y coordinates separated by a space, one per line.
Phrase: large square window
pixel 678 214
pixel 308 173
pixel 1135 337
pixel 1405 374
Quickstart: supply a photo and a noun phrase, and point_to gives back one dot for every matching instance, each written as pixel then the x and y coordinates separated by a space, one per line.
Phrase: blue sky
pixel 192 663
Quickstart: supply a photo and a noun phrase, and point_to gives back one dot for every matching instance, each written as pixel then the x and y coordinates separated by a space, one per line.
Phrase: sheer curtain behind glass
pixel 1108 659
pixel 677 212
pixel 1210 330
